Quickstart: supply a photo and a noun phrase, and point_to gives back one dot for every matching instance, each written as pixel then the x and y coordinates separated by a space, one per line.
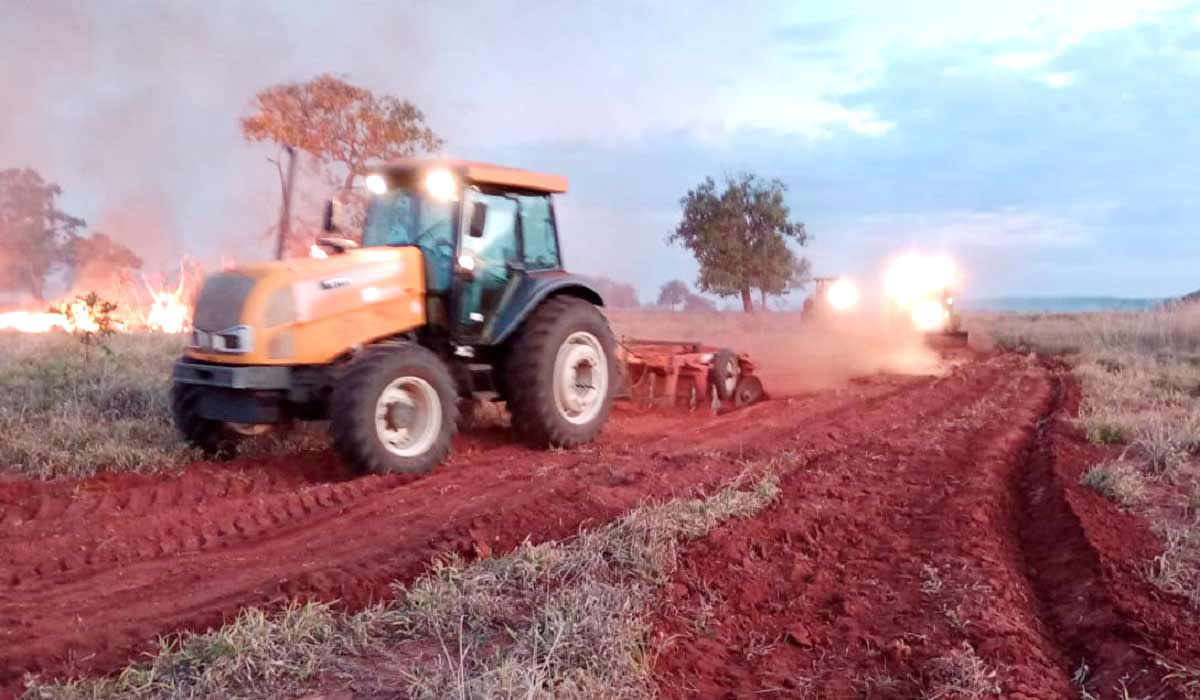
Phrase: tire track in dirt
pixel 134 571
pixel 924 559
pixel 1086 562
pixel 829 593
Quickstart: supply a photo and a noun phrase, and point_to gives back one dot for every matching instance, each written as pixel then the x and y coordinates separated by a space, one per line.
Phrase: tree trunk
pixel 762 294
pixel 35 284
pixel 747 301
pixel 284 234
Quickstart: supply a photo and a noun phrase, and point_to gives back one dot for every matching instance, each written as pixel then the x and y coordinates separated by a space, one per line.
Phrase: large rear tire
pixel 561 373
pixel 212 437
pixel 394 411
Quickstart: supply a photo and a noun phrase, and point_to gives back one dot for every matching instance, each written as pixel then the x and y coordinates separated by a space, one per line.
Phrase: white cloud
pixel 813 119
pixel 1006 228
pixel 1057 80
pixel 1024 61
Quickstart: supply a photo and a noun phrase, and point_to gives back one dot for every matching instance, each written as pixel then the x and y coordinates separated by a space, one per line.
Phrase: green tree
pixel 673 294
pixel 34 232
pixel 740 237
pixel 616 295
pixel 342 128
pixel 695 303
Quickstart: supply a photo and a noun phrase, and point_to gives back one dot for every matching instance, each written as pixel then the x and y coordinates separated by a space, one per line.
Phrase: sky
pixel 1050 147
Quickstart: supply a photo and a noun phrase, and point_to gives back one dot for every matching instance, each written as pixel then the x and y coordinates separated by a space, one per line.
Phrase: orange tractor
pixel 457 291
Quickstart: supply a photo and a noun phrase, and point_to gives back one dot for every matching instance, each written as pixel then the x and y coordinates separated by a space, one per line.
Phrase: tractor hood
pixel 308 310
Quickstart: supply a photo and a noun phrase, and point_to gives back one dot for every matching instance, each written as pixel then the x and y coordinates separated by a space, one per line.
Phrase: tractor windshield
pixel 403 217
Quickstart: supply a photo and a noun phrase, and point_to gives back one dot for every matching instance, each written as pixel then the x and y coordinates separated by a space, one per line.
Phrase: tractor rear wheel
pixel 394 411
pixel 212 437
pixel 561 373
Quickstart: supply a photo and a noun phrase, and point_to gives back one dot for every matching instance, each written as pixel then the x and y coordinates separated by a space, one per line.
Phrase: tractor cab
pixel 482 231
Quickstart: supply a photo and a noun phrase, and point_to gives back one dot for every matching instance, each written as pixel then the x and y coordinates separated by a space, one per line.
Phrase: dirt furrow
pixel 954 557
pixel 198 562
pixel 880 568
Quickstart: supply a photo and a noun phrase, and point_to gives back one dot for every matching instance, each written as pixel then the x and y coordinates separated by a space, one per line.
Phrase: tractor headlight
pixel 237 340
pixel 376 184
pixel 928 315
pixel 842 295
pixel 442 185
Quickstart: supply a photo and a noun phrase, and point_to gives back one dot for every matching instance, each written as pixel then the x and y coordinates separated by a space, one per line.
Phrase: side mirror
pixel 334 219
pixel 478 220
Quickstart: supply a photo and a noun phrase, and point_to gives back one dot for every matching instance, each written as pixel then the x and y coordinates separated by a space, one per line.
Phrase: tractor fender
pixel 530 291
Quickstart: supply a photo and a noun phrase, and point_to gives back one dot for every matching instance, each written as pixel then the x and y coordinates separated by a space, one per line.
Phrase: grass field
pixel 71 411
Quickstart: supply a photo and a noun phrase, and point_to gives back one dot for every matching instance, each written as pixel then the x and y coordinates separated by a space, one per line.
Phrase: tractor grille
pixel 221 300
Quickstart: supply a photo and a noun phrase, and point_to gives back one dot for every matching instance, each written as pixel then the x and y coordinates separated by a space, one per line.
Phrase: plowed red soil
pixel 970 473
pixel 952 529
pixel 92 571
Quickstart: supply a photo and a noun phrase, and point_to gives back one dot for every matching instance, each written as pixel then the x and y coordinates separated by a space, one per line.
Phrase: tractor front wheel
pixel 562 370
pixel 394 411
pixel 212 437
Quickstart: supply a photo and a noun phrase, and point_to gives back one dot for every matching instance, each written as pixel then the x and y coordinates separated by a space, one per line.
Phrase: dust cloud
pixel 794 356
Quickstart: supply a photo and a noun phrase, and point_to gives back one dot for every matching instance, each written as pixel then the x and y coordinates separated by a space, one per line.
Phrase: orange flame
pixel 168 311
pixel 32 321
pixel 73 316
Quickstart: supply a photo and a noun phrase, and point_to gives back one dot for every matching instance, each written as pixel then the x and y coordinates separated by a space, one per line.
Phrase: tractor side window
pixel 492 251
pixel 537 229
pixel 498 244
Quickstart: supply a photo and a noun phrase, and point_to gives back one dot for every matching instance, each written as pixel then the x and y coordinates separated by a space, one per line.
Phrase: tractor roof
pixel 480 173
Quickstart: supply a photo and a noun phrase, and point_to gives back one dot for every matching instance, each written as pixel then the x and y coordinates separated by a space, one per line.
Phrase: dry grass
pixel 1117 481
pixel 1140 375
pixel 1175 569
pixel 561 620
pixel 961 675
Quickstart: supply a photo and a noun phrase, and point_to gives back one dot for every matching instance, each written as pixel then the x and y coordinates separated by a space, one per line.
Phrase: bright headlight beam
pixel 842 295
pixel 928 315
pixel 442 185
pixel 910 278
pixel 376 184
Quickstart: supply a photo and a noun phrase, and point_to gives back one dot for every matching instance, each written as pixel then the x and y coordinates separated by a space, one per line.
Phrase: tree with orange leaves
pixel 342 127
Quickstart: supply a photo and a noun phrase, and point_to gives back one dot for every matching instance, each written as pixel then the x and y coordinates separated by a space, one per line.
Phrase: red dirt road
pixel 954 529
pixel 957 472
